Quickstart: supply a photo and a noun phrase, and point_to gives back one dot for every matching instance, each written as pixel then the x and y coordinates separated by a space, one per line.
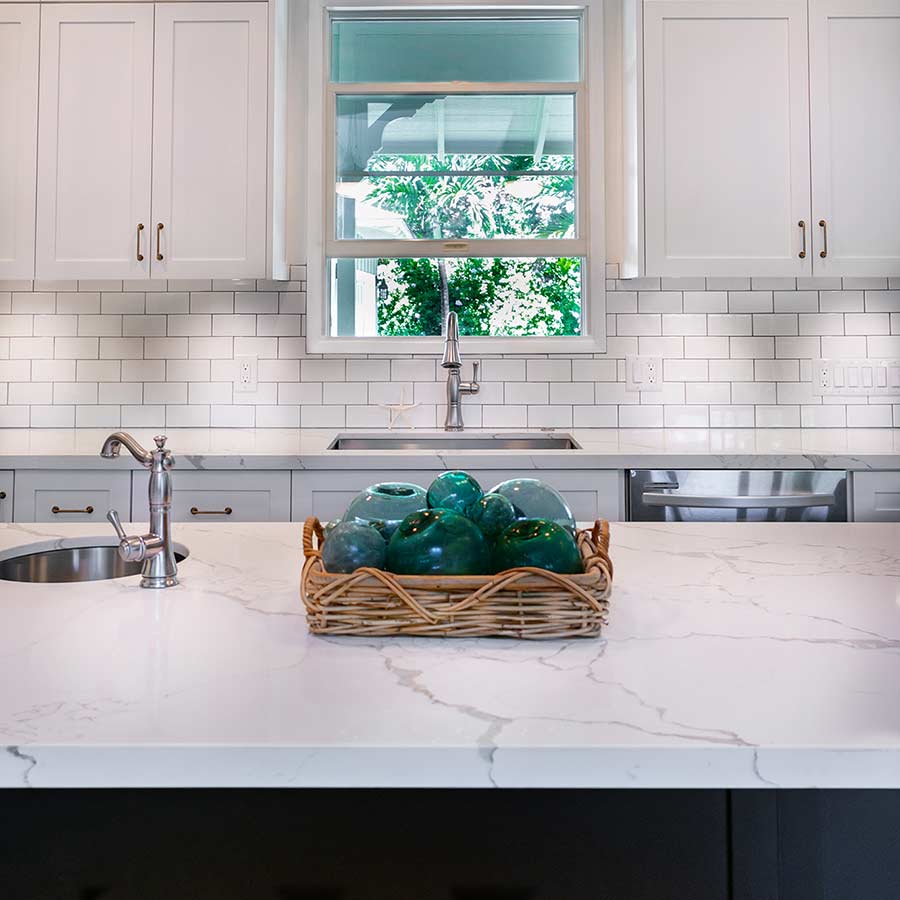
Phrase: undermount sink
pixel 453 441
pixel 89 559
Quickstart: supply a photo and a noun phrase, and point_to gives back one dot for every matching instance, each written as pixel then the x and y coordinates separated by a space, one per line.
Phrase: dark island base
pixel 449 845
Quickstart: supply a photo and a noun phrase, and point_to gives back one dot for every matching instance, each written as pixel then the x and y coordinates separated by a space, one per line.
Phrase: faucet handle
pixel 113 518
pixel 476 366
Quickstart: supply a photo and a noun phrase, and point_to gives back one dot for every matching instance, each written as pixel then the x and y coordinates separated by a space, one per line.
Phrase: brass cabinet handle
pixel 802 225
pixel 824 227
pixel 211 512
pixel 61 512
pixel 159 228
pixel 140 228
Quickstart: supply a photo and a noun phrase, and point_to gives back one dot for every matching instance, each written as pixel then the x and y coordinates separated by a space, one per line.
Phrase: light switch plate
pixel 643 373
pixel 856 377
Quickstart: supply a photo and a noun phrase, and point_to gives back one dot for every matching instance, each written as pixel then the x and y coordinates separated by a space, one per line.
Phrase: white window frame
pixel 314 38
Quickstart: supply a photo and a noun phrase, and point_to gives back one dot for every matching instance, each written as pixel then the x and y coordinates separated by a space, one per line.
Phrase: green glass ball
pixel 492 514
pixel 437 542
pixel 457 491
pixel 539 543
pixel 386 505
pixel 351 545
pixel 534 499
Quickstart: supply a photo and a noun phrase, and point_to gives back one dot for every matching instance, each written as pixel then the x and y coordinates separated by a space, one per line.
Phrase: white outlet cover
pixel 643 373
pixel 246 374
pixel 856 377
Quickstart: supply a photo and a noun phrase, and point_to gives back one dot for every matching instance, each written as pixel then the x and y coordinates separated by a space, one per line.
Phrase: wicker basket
pixel 519 603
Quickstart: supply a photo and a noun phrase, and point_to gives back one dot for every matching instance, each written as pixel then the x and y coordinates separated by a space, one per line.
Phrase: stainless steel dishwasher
pixel 736 495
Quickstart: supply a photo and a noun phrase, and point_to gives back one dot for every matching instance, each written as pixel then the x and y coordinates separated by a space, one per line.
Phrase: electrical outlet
pixel 643 373
pixel 856 377
pixel 246 375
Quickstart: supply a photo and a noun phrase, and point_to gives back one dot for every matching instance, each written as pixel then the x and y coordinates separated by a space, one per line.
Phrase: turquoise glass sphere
pixel 437 542
pixel 386 505
pixel 534 499
pixel 351 545
pixel 537 542
pixel 492 514
pixel 457 491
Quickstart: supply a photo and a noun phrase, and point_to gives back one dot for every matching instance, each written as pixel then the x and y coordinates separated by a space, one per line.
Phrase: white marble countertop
pixel 227 448
pixel 751 655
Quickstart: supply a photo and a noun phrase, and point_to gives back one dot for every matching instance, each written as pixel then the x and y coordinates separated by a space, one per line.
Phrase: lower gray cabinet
pixel 326 494
pixel 221 496
pixel 71 496
pixel 876 496
pixel 6 496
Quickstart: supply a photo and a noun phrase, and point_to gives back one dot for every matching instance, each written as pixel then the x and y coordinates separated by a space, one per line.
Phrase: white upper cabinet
pixel 209 140
pixel 95 140
pixel 726 149
pixel 855 116
pixel 19 32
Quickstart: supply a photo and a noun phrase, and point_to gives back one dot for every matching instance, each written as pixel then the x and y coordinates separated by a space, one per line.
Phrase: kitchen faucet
pixel 456 387
pixel 154 550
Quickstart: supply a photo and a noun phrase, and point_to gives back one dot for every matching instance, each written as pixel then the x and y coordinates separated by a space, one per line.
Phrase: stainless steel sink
pixel 474 441
pixel 87 560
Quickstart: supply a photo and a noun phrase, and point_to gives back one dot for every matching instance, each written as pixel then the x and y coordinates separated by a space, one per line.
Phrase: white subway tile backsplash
pixel 705 301
pixel 735 353
pixel 750 301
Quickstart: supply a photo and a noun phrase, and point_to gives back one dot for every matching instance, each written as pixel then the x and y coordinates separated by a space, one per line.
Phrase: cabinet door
pixel 726 137
pixel 6 496
pixel 56 496
pixel 19 30
pixel 209 140
pixel 591 495
pixel 221 496
pixel 876 496
pixel 855 114
pixel 94 146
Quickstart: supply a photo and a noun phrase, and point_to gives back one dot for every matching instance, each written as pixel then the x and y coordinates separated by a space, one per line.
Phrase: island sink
pixel 457 441
pixel 91 560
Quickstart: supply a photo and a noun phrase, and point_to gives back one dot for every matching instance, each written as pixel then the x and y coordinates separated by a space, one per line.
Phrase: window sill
pixel 471 346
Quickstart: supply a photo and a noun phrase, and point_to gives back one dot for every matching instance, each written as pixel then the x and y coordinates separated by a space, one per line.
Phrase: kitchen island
pixel 752 655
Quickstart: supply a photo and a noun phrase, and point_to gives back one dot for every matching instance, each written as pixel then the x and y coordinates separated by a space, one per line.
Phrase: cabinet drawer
pixel 51 496
pixel 876 496
pixel 6 496
pixel 208 496
pixel 591 494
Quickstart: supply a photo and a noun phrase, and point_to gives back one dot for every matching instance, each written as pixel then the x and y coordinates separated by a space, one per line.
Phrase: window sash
pixel 590 245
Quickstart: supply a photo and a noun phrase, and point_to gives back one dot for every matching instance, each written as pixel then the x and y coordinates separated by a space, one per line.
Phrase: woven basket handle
pixel 312 527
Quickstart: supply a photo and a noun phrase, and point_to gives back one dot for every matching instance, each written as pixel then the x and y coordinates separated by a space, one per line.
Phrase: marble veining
pixel 613 448
pixel 743 655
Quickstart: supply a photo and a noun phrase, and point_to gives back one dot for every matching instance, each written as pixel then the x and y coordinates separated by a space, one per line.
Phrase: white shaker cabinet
pixel 876 496
pixel 19 37
pixel 209 140
pixel 726 149
pixel 855 119
pixel 94 151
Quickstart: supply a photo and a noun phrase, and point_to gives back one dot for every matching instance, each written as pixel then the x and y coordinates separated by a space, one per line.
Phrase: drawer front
pixel 590 494
pixel 51 496
pixel 226 496
pixel 6 496
pixel 876 496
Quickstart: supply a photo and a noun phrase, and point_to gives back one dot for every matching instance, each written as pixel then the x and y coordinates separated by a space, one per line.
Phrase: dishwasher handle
pixel 776 501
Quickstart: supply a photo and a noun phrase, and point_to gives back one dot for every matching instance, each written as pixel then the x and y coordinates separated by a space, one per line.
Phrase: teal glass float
pixel 535 499
pixel 351 545
pixel 437 542
pixel 386 505
pixel 492 514
pixel 457 491
pixel 540 543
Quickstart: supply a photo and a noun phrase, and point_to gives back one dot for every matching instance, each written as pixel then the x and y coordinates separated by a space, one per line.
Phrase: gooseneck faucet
pixel 456 387
pixel 154 550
